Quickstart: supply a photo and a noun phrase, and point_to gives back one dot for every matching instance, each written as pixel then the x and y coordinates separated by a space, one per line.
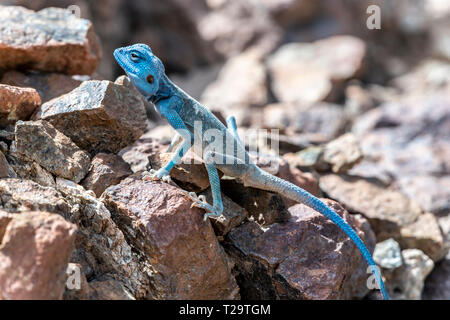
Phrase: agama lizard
pixel 185 115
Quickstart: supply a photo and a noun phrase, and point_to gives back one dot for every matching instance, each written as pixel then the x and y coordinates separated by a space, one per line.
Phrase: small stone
pixel 99 116
pixel 41 142
pixel 5 169
pixel 17 103
pixel 52 39
pixel 138 154
pixel 307 257
pixel 33 256
pixel 388 211
pixel 241 84
pixel 387 254
pixel 106 170
pixel 144 209
pixel 48 85
pixel 342 153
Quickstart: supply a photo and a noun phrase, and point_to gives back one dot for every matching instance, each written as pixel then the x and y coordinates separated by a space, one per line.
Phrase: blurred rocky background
pixel 364 122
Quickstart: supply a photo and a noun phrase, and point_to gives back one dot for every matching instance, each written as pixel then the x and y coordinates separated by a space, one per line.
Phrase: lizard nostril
pixel 150 79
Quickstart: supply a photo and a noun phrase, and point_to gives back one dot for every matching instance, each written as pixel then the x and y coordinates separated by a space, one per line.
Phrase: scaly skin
pixel 146 72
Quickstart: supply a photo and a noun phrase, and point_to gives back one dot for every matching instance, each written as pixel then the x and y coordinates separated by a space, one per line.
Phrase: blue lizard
pixel 185 114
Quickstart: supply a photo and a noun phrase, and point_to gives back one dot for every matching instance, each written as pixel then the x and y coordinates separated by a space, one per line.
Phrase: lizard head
pixel 144 69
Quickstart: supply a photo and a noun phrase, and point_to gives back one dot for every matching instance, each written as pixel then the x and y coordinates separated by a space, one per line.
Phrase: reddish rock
pixel 99 116
pixel 33 256
pixel 307 257
pixel 5 219
pixel 41 142
pixel 185 256
pixel 265 207
pixel 48 85
pixel 106 170
pixel 5 169
pixel 17 103
pixel 51 40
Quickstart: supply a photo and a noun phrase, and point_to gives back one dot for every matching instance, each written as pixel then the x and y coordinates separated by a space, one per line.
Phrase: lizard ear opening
pixel 150 79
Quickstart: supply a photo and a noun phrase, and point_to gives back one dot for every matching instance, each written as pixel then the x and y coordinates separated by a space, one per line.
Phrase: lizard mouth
pixel 119 56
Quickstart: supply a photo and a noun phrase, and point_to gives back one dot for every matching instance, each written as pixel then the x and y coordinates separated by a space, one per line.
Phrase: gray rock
pixel 387 254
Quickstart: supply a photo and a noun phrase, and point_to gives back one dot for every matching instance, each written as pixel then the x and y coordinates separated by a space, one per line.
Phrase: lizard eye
pixel 134 56
pixel 150 79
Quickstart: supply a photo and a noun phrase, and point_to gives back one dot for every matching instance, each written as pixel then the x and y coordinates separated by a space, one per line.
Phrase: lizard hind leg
pixel 232 126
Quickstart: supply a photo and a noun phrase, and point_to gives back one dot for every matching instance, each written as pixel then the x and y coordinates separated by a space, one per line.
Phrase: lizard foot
pixel 154 175
pixel 200 202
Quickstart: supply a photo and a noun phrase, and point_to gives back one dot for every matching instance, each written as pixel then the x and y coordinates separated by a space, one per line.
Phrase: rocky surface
pixel 17 103
pixel 34 253
pixel 49 40
pixel 182 257
pixel 41 142
pixel 360 116
pixel 99 116
pixel 299 259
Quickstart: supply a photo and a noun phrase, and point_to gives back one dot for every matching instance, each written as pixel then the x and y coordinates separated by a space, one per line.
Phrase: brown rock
pixel 180 268
pixel 342 153
pixel 241 83
pixel 106 170
pixel 17 103
pixel 321 122
pixel 49 40
pixel 138 154
pixel 388 211
pixel 426 235
pixel 291 12
pixel 265 207
pixel 48 85
pixel 307 72
pixel 307 257
pixel 5 169
pixel 190 173
pixel 5 219
pixel 51 149
pixel 99 116
pixel 232 215
pixel 28 169
pixel 33 256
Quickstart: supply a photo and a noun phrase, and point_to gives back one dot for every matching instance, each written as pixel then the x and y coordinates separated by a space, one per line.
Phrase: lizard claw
pixel 200 202
pixel 154 175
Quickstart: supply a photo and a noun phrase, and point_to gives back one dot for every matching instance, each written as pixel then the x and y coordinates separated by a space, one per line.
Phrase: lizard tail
pixel 266 181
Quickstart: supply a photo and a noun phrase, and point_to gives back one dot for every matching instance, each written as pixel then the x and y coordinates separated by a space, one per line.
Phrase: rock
pixel 51 40
pixel 33 256
pixel 108 290
pixel 41 142
pixel 232 216
pixel 437 284
pixel 180 268
pixel 342 153
pixel 388 211
pixel 357 99
pixel 99 116
pixel 190 173
pixel 387 254
pixel 310 72
pixel 48 85
pixel 5 219
pixel 138 154
pixel 102 249
pixel 232 26
pixel 106 170
pixel 432 192
pixel 408 281
pixel 17 103
pixel 5 169
pixel 241 83
pixel 18 195
pixel 426 235
pixel 307 257
pixel 291 12
pixel 321 122
pixel 265 207
pixel 27 169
